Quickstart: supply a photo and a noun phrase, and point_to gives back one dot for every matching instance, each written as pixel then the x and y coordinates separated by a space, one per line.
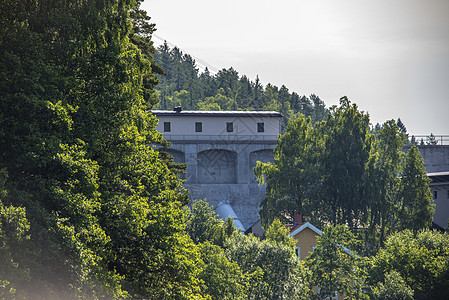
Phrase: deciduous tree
pixel 421 259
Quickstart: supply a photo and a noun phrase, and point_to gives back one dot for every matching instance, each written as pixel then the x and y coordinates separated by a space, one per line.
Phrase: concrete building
pixel 436 157
pixel 436 161
pixel 220 149
pixel 440 192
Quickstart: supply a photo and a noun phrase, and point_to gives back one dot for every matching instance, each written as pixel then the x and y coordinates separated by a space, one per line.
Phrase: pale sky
pixel 390 57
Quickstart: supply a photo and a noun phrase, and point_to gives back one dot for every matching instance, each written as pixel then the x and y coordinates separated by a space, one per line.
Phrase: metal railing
pixel 220 137
pixel 439 140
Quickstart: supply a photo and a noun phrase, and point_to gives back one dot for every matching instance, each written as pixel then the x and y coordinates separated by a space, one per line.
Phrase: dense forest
pixel 89 211
pixel 183 85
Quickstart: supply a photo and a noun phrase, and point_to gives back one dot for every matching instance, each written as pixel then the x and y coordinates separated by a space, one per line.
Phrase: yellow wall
pixel 307 240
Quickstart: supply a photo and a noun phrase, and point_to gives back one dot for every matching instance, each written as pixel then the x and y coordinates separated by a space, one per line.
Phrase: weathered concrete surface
pixel 221 149
pixel 223 172
pixel 243 198
pixel 436 158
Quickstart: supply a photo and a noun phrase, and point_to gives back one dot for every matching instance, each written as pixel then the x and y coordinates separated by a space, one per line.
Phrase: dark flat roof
pixel 439 177
pixel 212 113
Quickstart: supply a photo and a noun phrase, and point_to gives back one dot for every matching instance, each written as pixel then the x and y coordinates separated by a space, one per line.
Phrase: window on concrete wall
pixel 198 126
pixel 167 126
pixel 435 195
pixel 229 127
pixel 260 127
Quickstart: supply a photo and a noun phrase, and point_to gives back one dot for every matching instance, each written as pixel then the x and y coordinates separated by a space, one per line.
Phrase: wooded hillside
pixel 184 85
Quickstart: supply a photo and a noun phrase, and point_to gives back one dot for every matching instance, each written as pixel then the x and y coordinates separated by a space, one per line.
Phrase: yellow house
pixel 306 239
pixel 305 236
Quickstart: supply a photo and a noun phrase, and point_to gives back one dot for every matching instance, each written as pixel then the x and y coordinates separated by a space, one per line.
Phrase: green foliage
pixel 333 267
pixel 431 140
pixel 236 266
pixel 382 184
pixel 184 85
pixel 337 172
pixel 422 260
pixel 203 224
pixel 342 164
pixel 13 229
pixel 393 288
pixel 272 268
pixel 105 211
pixel 222 278
pixel 417 204
pixel 289 180
pixel 278 233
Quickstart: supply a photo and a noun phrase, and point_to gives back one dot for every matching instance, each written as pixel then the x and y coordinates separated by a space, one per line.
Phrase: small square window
pixel 260 127
pixel 198 127
pixel 167 127
pixel 229 127
pixel 298 252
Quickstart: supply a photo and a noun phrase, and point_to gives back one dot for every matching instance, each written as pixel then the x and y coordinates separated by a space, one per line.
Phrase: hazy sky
pixel 390 57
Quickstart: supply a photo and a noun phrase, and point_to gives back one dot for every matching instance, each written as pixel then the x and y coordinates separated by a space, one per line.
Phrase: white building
pixel 219 125
pixel 221 149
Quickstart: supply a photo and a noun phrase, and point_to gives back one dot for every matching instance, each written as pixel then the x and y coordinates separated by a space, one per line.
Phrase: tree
pixel 272 268
pixel 319 111
pixel 401 126
pixel 319 170
pixel 431 140
pixel 346 153
pixel 203 224
pixel 14 227
pixel 421 260
pixel 393 288
pixel 337 172
pixel 382 184
pixel 222 278
pixel 333 267
pixel 417 208
pixel 105 211
pixel 291 179
pixel 278 233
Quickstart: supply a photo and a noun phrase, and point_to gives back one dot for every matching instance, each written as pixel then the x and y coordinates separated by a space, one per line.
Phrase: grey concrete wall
pixel 243 198
pixel 440 193
pixel 217 166
pixel 223 172
pixel 436 158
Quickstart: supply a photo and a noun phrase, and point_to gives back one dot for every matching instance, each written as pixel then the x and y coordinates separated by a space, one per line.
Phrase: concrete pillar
pixel 191 151
pixel 242 165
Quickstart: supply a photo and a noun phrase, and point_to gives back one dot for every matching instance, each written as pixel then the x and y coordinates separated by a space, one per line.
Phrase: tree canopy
pixel 184 85
pixel 88 210
pixel 104 212
pixel 337 172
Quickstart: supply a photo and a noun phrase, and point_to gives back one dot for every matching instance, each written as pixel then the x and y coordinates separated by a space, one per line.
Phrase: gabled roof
pixel 304 226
